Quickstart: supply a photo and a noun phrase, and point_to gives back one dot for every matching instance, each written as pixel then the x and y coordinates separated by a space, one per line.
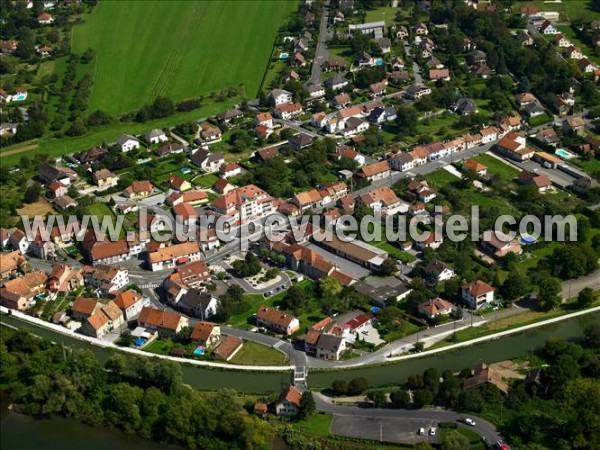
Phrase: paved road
pixel 368 416
pixel 321 51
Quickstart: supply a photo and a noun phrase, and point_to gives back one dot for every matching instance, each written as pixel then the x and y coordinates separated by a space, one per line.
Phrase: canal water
pixel 512 346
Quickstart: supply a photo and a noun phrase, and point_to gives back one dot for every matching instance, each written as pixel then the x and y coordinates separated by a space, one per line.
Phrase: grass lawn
pixel 254 354
pixel 395 252
pixel 539 120
pixel 495 166
pixel 570 10
pixel 55 147
pixel 590 165
pixel 205 181
pixel 387 14
pixel 316 424
pixel 441 178
pixel 99 210
pixel 569 33
pixel 182 50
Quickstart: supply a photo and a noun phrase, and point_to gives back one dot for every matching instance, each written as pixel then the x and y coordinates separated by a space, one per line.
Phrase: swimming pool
pixel 379 62
pixel 284 56
pixel 564 154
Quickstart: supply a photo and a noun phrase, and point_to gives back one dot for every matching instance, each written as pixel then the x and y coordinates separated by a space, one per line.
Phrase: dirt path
pixel 19 150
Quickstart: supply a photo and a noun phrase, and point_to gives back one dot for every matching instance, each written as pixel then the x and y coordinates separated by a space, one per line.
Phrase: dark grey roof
pixel 49 173
pixel 329 342
pixel 300 140
pixel 201 156
pixel 379 294
pixel 464 106
pixel 126 137
pixel 195 299
pixel 230 114
pixel 338 79
pixel 435 268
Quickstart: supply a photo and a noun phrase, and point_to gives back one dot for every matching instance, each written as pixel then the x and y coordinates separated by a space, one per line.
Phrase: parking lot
pixel 390 429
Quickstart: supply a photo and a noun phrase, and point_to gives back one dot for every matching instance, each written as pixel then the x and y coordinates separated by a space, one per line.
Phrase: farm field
pixel 147 49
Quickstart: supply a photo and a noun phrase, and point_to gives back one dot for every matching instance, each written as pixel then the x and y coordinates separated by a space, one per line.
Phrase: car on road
pixel 421 431
pixel 432 431
pixel 469 421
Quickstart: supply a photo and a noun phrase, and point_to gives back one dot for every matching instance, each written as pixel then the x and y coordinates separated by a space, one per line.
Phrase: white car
pixel 421 431
pixel 432 431
pixel 470 422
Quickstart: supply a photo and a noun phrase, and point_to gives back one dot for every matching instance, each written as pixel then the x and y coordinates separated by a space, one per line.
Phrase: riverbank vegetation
pixel 139 395
pixel 550 401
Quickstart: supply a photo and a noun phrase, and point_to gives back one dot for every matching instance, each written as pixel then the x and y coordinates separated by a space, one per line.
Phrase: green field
pixel 178 49
pixel 495 166
pixel 570 10
pixel 254 354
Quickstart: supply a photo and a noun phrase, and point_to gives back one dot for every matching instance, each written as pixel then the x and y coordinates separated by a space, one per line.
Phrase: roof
pixel 308 197
pixel 185 211
pixel 268 153
pixel 127 299
pixel 359 320
pixel 477 288
pixel 382 194
pixel 173 251
pixel 474 165
pixel 227 347
pixel 436 267
pixel 274 316
pixel 292 395
pixel 112 310
pixel 329 342
pixel 374 169
pixel 435 306
pixel 160 319
pixel 85 306
pixel 196 299
pixel 202 331
pixel 98 320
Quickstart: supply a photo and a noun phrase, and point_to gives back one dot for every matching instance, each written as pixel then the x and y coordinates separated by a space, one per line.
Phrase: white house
pixel 127 142
pixel 280 96
pixel 288 403
pixel 156 136
pixel 131 303
pixel 477 294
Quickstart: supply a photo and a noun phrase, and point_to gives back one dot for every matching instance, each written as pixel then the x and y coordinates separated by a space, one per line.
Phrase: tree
pixel 586 297
pixel 407 119
pixel 549 295
pixel 32 193
pixel 592 334
pixel 514 286
pixel 77 128
pixel 295 298
pixel 388 267
pixel 377 397
pixel 339 387
pixel 307 405
pixel 329 287
pixel 400 398
pixel 422 397
pixel 357 386
pixel 453 440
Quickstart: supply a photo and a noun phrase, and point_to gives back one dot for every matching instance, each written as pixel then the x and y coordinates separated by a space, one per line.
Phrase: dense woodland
pixel 138 395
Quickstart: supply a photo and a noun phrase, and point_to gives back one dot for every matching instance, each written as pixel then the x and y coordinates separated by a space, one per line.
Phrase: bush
pixel 357 386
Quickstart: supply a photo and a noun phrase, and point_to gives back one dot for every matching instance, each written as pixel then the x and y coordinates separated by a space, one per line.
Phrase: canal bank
pixel 507 347
pixel 209 378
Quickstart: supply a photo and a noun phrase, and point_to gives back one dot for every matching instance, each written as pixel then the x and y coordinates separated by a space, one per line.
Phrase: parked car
pixel 421 431
pixel 432 431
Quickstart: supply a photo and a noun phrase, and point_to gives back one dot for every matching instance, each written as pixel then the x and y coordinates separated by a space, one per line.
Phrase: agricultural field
pixel 147 49
pixel 570 10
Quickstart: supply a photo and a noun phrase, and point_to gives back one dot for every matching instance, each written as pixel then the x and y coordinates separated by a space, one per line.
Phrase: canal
pixel 205 378
pixel 507 347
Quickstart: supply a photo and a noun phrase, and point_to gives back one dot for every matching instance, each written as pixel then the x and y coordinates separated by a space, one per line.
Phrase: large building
pixel 244 204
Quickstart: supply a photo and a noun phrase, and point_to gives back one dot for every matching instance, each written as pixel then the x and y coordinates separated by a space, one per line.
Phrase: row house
pixel 185 277
pixel 63 279
pixel 20 293
pixel 131 302
pixel 374 172
pixel 107 319
pixel 106 279
pixel 172 255
pixel 168 324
